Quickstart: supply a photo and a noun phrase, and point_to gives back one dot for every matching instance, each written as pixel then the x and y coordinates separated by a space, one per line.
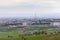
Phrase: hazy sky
pixel 30 8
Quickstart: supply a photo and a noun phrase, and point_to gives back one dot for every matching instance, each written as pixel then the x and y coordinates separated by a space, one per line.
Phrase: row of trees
pixel 45 32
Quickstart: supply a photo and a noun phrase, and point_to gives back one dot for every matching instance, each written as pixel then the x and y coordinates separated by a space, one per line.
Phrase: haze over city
pixel 30 8
pixel 29 19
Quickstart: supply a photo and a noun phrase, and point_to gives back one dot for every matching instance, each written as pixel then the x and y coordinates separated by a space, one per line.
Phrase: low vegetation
pixel 17 36
pixel 44 33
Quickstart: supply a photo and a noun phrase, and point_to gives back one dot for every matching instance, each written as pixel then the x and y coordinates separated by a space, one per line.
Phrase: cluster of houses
pixel 38 32
pixel 25 22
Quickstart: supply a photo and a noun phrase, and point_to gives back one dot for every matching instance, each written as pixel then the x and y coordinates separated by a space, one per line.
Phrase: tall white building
pixel 55 23
pixel 25 23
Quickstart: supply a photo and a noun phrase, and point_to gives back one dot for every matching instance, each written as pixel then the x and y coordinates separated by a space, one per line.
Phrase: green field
pixel 4 36
pixel 16 34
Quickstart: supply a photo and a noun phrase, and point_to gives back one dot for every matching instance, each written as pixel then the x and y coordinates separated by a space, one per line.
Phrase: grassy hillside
pixel 15 36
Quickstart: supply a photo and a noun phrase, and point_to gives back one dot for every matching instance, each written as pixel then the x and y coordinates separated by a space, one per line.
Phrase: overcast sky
pixel 30 8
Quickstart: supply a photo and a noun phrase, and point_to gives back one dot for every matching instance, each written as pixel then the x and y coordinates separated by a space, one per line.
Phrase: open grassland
pixel 16 36
pixel 5 34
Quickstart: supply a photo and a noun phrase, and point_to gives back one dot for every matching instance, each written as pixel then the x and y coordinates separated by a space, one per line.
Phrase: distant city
pixel 14 22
